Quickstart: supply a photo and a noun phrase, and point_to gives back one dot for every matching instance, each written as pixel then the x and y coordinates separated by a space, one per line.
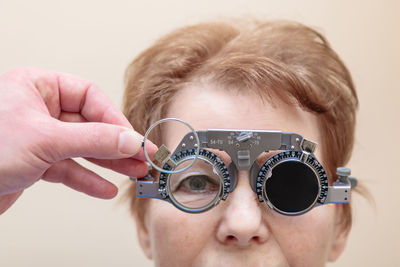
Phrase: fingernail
pixel 150 146
pixel 129 142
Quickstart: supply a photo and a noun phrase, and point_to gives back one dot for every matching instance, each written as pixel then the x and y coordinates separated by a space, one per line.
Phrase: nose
pixel 242 223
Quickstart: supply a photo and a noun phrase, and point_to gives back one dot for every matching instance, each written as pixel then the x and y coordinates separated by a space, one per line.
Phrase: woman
pixel 261 75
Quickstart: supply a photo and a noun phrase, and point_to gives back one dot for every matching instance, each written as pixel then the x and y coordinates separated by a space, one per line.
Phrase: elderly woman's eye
pixel 198 184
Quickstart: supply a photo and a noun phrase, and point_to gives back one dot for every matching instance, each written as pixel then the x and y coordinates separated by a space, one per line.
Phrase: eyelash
pixel 208 180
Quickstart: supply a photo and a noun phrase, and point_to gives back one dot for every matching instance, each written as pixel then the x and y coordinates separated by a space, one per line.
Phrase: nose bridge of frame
pixel 234 175
pixel 244 147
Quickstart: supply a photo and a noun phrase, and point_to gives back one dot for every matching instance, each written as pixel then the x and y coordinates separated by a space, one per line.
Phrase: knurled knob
pixel 342 171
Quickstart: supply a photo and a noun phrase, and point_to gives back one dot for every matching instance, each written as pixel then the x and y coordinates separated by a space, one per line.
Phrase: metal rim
pixel 147 155
pixel 210 205
pixel 266 199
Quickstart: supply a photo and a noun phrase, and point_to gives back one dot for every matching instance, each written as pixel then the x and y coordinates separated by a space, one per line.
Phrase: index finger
pixel 81 96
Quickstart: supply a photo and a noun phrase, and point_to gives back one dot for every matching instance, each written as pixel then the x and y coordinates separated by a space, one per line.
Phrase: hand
pixel 47 118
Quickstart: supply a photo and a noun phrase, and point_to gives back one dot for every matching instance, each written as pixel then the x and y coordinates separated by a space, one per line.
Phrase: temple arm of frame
pixel 146 188
pixel 340 191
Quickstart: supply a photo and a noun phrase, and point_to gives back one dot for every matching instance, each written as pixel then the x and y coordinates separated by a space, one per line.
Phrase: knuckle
pixel 14 73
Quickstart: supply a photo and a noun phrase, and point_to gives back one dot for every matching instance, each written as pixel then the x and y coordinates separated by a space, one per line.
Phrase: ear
pixel 340 236
pixel 142 232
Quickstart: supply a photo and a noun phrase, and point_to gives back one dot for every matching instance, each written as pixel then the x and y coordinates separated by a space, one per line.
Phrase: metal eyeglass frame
pixel 243 146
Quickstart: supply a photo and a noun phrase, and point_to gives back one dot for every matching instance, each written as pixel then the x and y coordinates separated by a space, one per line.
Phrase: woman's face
pixel 240 231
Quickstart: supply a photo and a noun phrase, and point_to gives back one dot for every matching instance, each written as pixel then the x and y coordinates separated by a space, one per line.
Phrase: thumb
pixel 94 140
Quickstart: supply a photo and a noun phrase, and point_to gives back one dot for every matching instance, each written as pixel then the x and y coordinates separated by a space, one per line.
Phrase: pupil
pixel 197 183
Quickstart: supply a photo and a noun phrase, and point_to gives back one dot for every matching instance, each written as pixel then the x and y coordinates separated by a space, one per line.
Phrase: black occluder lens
pixel 293 186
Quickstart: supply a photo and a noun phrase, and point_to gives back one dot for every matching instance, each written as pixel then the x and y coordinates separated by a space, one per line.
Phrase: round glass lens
pixel 181 131
pixel 293 187
pixel 197 186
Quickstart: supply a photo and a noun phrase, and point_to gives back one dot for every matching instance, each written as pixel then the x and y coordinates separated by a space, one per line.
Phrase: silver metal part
pixel 304 156
pixel 148 189
pixel 338 193
pixel 342 171
pixel 255 168
pixel 269 204
pixel 243 158
pixel 243 147
pixel 191 134
pixel 308 145
pixel 162 155
pixel 212 204
pixel 353 181
pixel 343 174
pixel 244 136
pixel 233 174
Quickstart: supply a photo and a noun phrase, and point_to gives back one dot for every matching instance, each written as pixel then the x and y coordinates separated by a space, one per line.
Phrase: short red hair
pixel 280 59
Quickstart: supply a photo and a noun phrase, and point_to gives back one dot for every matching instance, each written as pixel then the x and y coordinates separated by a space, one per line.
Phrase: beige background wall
pixel 52 225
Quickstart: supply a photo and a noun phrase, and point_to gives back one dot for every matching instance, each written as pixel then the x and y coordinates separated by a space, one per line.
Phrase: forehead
pixel 206 106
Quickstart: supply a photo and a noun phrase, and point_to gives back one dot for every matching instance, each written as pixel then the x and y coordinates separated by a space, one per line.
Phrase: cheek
pixel 307 239
pixel 176 236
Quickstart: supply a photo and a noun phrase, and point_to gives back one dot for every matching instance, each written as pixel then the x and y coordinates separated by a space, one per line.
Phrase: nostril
pixel 230 238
